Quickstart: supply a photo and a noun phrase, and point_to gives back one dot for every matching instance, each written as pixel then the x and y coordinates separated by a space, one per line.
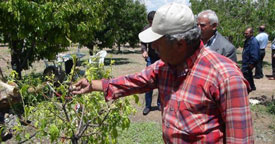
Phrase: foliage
pixel 128 25
pixel 236 15
pixel 144 133
pixel 124 20
pixel 63 117
pixel 38 29
pixel 271 107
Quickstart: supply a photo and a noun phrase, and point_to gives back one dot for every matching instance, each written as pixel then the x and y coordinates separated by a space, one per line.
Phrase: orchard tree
pixel 131 23
pixel 124 20
pixel 38 29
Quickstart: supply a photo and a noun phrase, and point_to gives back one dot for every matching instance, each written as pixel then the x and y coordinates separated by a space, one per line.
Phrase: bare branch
pixel 81 119
pixel 28 138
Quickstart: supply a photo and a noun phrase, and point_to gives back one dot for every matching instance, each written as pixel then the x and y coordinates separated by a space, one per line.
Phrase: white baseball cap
pixel 171 18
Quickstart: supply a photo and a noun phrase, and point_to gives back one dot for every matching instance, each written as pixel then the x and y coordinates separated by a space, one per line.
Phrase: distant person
pixel 208 23
pixel 150 57
pixel 262 38
pixel 203 94
pixel 273 58
pixel 250 56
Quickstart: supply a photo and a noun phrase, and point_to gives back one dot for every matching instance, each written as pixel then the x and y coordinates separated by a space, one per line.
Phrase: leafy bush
pixel 62 117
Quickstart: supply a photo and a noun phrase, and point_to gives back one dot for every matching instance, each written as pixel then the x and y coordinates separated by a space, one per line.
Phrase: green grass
pixel 142 133
pixel 259 108
pixel 268 108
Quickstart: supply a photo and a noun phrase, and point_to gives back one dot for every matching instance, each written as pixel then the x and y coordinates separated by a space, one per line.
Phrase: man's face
pixel 207 30
pixel 169 52
pixel 247 33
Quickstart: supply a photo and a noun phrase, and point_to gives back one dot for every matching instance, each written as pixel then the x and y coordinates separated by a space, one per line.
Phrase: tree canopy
pixel 37 29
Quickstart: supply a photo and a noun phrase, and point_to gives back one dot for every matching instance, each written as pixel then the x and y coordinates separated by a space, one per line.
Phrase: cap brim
pixel 148 36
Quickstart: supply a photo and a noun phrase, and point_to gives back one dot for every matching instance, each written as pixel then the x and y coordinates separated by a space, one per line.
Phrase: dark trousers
pixel 259 66
pixel 273 62
pixel 247 73
pixel 148 95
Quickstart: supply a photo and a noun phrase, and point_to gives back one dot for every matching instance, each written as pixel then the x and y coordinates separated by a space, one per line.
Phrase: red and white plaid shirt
pixel 206 103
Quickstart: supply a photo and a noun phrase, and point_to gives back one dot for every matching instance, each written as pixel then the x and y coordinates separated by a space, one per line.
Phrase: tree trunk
pixel 90 46
pixel 16 57
pixel 74 140
pixel 118 45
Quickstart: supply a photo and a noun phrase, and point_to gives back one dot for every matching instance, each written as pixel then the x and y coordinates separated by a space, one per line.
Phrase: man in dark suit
pixel 208 23
pixel 250 56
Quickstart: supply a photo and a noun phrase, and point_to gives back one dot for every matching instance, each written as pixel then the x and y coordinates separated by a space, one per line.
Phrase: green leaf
pixel 54 132
pixel 27 136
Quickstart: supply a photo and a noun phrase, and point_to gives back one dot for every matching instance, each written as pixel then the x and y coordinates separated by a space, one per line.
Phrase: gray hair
pixel 211 15
pixel 191 36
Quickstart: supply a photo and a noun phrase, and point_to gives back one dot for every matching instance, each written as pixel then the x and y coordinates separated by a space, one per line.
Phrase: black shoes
pixel 258 77
pixel 146 111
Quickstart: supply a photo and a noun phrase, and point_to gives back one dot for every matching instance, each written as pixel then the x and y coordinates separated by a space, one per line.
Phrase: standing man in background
pixel 250 56
pixel 150 57
pixel 262 38
pixel 208 23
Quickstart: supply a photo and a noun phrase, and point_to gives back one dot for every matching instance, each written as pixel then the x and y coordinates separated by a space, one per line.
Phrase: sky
pixel 155 4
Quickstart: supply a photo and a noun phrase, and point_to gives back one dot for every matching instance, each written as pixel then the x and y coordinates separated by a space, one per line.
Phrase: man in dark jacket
pixel 250 56
pixel 150 57
pixel 212 39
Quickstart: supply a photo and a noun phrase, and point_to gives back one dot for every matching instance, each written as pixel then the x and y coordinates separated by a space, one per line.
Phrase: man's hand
pixel 81 87
pixel 251 66
pixel 274 55
pixel 145 55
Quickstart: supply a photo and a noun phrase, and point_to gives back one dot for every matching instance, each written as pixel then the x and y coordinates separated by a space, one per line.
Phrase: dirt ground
pixel 131 61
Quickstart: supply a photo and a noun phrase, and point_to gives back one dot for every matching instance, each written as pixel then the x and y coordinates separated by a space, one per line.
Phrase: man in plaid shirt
pixel 204 96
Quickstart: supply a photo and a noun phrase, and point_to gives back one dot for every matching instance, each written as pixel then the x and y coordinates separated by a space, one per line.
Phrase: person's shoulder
pixel 220 63
pixel 225 42
pixel 261 35
pixel 254 40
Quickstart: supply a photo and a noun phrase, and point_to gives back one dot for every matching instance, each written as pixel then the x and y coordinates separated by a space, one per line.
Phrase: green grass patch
pixel 271 107
pixel 268 108
pixel 142 133
pixel 259 108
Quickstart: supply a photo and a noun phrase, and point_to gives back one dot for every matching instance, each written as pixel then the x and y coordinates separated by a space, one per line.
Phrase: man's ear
pixel 214 26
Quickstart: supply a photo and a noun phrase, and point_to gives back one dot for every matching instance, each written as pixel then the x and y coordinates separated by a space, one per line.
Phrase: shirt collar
pixel 211 40
pixel 188 64
pixel 191 60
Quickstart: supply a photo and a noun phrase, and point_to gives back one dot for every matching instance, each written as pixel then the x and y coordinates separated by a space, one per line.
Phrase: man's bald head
pixel 248 32
pixel 262 28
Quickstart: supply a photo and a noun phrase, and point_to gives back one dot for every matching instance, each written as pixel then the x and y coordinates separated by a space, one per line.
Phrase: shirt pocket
pixel 190 118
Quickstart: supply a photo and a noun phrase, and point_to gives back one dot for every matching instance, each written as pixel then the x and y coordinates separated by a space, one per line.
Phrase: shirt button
pixel 171 109
pixel 167 125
